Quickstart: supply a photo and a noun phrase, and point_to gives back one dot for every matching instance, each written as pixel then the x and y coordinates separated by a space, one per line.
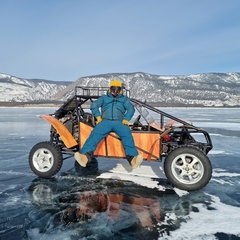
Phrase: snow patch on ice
pixel 205 223
pixel 216 152
pixel 144 175
pixel 224 173
pixel 143 170
pixel 143 181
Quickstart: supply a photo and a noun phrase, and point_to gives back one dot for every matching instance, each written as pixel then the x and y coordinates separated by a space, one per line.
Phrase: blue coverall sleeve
pixel 95 107
pixel 129 110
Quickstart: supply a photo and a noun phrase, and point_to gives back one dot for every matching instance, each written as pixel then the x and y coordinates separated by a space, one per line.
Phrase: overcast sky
pixel 67 39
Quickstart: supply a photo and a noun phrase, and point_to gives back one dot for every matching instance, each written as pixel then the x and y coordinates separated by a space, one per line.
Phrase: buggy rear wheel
pixel 188 168
pixel 45 159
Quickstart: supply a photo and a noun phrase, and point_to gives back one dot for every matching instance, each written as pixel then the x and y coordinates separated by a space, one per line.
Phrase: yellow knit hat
pixel 115 83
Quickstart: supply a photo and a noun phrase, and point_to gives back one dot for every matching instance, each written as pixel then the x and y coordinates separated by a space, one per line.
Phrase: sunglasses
pixel 115 89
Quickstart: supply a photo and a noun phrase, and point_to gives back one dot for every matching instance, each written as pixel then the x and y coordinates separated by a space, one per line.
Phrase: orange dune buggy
pixel 182 146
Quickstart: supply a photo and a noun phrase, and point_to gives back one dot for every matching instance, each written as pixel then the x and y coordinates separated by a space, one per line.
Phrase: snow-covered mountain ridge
pixel 14 89
pixel 208 89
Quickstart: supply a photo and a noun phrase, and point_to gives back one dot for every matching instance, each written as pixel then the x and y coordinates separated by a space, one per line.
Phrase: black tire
pixel 45 159
pixel 188 168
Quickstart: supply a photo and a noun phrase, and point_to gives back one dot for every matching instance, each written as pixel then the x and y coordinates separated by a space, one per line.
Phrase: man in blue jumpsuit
pixel 116 112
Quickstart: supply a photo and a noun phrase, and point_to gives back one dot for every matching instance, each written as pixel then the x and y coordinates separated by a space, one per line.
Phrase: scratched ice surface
pixel 109 202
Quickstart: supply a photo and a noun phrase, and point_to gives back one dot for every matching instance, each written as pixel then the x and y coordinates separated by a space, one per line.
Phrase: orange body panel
pixel 114 146
pixel 66 136
pixel 147 144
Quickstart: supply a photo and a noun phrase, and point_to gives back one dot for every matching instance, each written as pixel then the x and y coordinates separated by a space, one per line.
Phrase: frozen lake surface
pixel 110 202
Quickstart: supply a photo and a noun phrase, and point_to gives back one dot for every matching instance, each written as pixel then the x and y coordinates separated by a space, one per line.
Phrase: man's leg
pixel 98 133
pixel 124 132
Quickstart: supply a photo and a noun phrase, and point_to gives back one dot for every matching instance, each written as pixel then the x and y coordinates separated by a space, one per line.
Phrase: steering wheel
pixel 137 122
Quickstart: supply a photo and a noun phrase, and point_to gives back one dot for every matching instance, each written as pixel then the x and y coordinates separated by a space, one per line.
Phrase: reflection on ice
pixel 104 209
pixel 115 207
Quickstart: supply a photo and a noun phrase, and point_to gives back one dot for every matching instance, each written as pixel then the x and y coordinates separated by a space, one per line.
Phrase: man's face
pixel 115 90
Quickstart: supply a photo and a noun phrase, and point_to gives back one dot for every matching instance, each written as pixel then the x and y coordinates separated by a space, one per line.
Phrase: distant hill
pixel 208 89
pixel 14 89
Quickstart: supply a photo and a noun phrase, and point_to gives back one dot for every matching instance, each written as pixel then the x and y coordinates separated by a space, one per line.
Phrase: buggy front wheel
pixel 45 159
pixel 188 168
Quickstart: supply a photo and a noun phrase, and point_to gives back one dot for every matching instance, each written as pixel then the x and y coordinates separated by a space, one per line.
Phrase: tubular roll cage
pixel 86 94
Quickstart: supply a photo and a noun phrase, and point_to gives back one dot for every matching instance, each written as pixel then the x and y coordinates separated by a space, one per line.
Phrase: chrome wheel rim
pixel 43 160
pixel 187 168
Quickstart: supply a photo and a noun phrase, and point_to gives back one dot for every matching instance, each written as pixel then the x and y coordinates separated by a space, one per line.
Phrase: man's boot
pixel 135 161
pixel 82 159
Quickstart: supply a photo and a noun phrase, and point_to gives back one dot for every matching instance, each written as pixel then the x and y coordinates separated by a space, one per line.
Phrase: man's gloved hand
pixel 125 122
pixel 99 119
